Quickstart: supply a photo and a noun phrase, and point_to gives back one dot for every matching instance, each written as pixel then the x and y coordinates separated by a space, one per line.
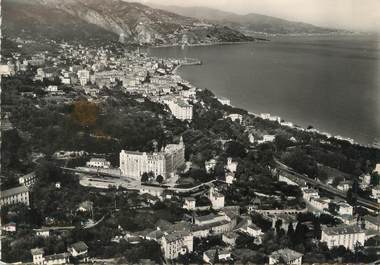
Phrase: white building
pixel 39 257
pixel 365 181
pixel 214 224
pixel 236 117
pixel 79 251
pixel 344 186
pixel 51 89
pixel 344 235
pixel 345 209
pixel 224 255
pixel 27 180
pixel 267 138
pixel 210 165
pixel 98 163
pixel 375 193
pixel 180 109
pixel 254 231
pixel 285 256
pixel 216 198
pixel 287 124
pixel 57 259
pixel 230 238
pixel 225 101
pixel 310 193
pixel 15 195
pixel 231 165
pixel 230 178
pixel 377 169
pixel 209 256
pixel 84 77
pixel 320 203
pixel 164 163
pixel 189 203
pixel 176 243
pixel 287 180
pixel 10 227
pixel 251 138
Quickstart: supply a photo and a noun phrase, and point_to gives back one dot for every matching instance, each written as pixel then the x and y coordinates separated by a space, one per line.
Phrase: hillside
pixel 84 19
pixel 249 24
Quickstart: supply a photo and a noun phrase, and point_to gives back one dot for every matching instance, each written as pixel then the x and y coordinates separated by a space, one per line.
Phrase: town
pixel 109 156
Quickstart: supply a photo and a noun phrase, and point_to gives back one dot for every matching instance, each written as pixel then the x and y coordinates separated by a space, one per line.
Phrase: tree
pixel 355 186
pixel 160 179
pixel 290 230
pixel 150 176
pixel 235 149
pixel 144 177
pixel 278 226
pixel 375 179
pixel 85 113
pixel 351 197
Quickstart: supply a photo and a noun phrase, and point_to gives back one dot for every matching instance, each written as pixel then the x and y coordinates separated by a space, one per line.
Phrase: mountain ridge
pixel 250 24
pixel 137 23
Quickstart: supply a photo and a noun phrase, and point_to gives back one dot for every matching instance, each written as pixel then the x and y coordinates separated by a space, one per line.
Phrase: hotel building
pixel 164 163
pixel 180 109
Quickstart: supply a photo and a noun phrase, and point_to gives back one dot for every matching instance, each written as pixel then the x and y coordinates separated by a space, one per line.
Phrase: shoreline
pixel 207 44
pixel 352 141
pixel 262 37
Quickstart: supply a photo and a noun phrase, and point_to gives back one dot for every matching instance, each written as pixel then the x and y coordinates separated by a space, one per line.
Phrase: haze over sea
pixel 329 82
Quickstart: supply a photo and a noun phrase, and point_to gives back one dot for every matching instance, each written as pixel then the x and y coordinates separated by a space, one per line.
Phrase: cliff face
pixel 136 22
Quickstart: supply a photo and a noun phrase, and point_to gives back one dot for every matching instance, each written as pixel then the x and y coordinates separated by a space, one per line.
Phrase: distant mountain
pixel 250 24
pixel 110 19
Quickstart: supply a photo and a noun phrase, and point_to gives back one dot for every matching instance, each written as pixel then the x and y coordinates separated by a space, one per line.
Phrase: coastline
pixel 207 44
pixel 283 122
pixel 262 37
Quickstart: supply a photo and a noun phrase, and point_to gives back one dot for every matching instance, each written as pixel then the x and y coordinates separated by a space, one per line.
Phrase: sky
pixel 362 15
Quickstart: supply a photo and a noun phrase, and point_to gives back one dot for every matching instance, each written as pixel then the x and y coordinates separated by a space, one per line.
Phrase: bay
pixel 329 82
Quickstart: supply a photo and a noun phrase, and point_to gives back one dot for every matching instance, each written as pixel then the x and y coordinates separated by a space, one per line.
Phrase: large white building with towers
pixel 165 163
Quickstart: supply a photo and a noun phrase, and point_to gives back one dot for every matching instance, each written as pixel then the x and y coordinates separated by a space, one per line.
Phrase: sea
pixel 329 82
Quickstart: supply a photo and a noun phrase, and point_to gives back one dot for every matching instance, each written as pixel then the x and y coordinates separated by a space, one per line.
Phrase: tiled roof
pixel 342 229
pixel 79 246
pixel 13 191
pixel 176 236
pixel 56 256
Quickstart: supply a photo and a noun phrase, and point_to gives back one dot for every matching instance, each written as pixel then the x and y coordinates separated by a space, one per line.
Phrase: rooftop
pixel 343 229
pixel 208 217
pixel 286 254
pixel 37 251
pixel 95 159
pixel 79 246
pixel 13 191
pixel 176 236
pixel 57 256
pixel 372 219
